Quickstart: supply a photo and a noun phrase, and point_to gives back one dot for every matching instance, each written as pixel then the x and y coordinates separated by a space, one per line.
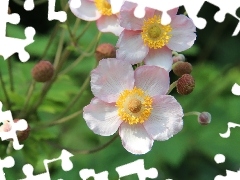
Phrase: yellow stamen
pixel 134 106
pixel 154 34
pixel 104 7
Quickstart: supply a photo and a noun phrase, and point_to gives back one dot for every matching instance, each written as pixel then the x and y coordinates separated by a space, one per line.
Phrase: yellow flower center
pixel 134 106
pixel 154 34
pixel 104 7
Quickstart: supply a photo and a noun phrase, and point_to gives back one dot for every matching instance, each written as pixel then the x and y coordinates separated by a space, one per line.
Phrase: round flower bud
pixel 22 135
pixel 204 118
pixel 180 68
pixel 178 57
pixel 104 51
pixel 43 71
pixel 185 84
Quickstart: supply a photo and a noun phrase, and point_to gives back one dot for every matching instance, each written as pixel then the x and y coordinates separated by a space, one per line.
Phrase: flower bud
pixel 43 71
pixel 185 84
pixel 105 51
pixel 204 118
pixel 180 68
pixel 178 57
pixel 22 135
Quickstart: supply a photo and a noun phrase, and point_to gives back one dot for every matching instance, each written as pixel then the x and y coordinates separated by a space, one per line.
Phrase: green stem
pixel 9 64
pixel 98 148
pixel 8 103
pixel 83 54
pixel 195 113
pixel 91 151
pixel 171 87
pixel 57 122
pixel 29 95
pixel 76 98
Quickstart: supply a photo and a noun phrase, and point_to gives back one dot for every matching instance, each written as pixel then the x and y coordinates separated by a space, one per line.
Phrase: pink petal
pixel 87 11
pixel 131 47
pixel 183 35
pixel 135 138
pixel 109 24
pixel 160 57
pixel 127 18
pixel 110 78
pixel 165 119
pixel 172 13
pixel 152 79
pixel 101 117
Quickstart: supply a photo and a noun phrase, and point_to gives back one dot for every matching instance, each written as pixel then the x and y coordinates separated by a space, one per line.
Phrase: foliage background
pixel 188 155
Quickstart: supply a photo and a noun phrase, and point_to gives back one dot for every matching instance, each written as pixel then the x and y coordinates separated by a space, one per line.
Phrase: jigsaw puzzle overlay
pixel 9 46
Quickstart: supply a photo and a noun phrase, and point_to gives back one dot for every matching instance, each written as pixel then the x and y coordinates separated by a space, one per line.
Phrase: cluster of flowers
pixel 131 88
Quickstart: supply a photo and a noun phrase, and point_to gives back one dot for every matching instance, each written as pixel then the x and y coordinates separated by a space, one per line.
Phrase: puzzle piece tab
pixel 137 167
pixel 8 45
pixel 7 162
pixel 21 125
pixel 192 8
pixel 67 165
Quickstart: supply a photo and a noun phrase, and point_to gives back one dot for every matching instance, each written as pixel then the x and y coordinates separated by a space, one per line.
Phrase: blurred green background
pixel 188 155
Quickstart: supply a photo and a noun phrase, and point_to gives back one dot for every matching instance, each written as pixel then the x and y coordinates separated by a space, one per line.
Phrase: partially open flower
pixel 147 39
pixel 100 11
pixel 180 68
pixel 204 118
pixel 104 51
pixel 178 57
pixel 135 102
pixel 185 84
pixel 43 71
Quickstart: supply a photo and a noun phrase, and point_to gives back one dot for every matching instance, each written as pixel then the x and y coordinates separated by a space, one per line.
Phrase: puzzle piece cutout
pixel 7 162
pixel 192 8
pixel 87 173
pixel 228 132
pixel 236 89
pixel 230 175
pixel 137 167
pixel 66 165
pixel 9 45
pixel 20 125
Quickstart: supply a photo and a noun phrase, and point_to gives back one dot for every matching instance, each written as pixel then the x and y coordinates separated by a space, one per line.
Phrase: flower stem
pixel 91 151
pixel 76 98
pixel 9 64
pixel 57 122
pixel 171 87
pixel 98 148
pixel 192 113
pixel 8 103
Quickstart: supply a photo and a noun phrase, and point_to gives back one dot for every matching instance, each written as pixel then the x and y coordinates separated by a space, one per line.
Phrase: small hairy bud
pixel 22 135
pixel 43 71
pixel 104 51
pixel 178 57
pixel 185 84
pixel 204 118
pixel 180 68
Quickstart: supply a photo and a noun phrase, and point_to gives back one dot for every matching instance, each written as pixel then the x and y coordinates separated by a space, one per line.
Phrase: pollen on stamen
pixel 134 106
pixel 154 34
pixel 104 7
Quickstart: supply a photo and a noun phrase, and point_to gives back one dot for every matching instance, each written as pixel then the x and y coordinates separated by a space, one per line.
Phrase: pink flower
pixel 6 126
pixel 100 11
pixel 147 39
pixel 133 102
